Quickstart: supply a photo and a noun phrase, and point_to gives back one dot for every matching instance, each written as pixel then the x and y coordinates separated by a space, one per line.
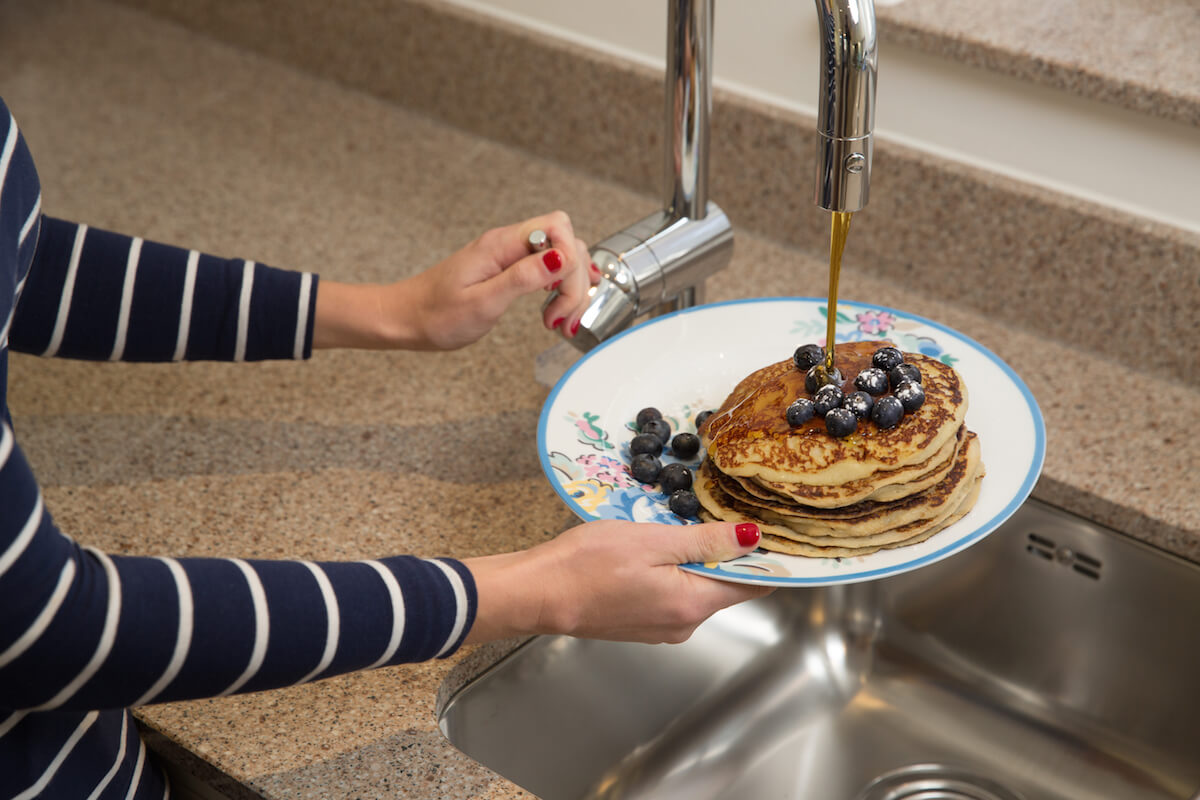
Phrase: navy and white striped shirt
pixel 84 635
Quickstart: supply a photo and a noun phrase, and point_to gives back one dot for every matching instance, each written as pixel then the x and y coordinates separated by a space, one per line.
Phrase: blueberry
pixel 827 398
pixel 645 468
pixel 903 372
pixel 660 428
pixel 911 395
pixel 684 503
pixel 800 412
pixel 702 416
pixel 860 403
pixel 675 477
pixel 647 414
pixel 841 422
pixel 808 356
pixel 887 412
pixel 645 444
pixel 816 377
pixel 685 445
pixel 887 358
pixel 872 381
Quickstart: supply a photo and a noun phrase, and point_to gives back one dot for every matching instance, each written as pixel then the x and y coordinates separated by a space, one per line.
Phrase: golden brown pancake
pixel 910 516
pixel 851 512
pixel 881 487
pixel 749 435
pixel 797 548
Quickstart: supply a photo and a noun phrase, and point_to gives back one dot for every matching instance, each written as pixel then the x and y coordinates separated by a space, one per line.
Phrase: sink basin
pixel 1053 661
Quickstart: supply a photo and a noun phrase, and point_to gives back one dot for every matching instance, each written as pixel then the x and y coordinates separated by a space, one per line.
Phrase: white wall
pixel 767 49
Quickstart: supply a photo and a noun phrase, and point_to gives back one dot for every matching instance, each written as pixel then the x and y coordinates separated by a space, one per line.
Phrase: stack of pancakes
pixel 816 495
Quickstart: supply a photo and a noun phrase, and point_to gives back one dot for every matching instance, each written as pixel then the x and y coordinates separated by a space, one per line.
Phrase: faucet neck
pixel 688 104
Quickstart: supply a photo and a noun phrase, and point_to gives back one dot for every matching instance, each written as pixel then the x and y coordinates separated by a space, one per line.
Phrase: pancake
pixel 853 512
pixel 749 435
pixel 881 487
pixel 798 548
pixel 893 522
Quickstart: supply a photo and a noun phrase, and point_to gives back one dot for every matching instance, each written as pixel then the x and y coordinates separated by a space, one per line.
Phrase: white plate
pixel 688 361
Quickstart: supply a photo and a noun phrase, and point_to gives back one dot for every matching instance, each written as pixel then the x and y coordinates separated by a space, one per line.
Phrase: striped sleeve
pixel 99 295
pixel 84 630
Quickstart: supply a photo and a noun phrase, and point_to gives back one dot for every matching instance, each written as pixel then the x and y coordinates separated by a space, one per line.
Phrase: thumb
pixel 712 541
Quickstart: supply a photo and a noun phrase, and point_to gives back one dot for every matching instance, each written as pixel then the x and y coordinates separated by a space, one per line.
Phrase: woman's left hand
pixel 457 301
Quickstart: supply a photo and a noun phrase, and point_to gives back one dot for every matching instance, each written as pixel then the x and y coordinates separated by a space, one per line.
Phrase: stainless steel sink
pixel 1053 661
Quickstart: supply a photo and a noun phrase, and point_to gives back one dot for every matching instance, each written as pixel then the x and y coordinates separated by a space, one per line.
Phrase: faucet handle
pixel 658 264
pixel 612 303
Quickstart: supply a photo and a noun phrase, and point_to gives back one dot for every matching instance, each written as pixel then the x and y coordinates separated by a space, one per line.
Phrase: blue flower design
pixel 638 505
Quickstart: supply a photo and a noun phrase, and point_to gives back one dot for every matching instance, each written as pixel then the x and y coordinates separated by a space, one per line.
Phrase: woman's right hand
pixel 611 580
pixel 459 299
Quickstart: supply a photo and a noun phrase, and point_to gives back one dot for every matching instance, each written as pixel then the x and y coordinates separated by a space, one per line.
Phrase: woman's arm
pixel 99 295
pixel 80 629
pixel 95 294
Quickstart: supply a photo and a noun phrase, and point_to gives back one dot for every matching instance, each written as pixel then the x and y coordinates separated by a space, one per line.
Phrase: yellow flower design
pixel 589 494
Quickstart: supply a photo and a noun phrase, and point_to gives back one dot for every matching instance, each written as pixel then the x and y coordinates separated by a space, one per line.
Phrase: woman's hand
pixel 611 580
pixel 458 300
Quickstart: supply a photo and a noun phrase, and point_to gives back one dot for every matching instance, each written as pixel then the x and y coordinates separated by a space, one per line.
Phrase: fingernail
pixel 555 285
pixel 595 269
pixel 575 327
pixel 557 322
pixel 747 534
pixel 552 260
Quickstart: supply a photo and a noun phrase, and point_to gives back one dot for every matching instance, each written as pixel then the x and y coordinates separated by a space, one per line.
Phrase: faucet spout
pixel 689 103
pixel 846 103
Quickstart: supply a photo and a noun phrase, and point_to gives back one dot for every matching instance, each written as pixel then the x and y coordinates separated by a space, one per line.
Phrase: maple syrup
pixel 839 229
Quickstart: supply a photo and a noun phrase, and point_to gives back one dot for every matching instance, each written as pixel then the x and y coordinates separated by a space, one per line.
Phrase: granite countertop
pixel 1140 55
pixel 144 127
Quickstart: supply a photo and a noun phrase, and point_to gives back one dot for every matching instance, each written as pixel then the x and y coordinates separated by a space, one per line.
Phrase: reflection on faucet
pixel 659 263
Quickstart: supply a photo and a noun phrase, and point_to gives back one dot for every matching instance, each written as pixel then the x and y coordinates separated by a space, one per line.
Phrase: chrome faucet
pixel 659 263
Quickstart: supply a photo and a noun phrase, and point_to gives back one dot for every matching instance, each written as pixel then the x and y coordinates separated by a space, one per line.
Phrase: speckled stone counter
pixel 1140 55
pixel 145 127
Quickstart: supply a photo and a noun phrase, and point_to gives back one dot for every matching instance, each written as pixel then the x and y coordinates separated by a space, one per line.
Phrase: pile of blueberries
pixel 842 411
pixel 675 479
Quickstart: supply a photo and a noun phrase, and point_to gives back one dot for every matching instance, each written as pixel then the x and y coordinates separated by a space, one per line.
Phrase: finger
pixel 593 271
pixel 710 541
pixel 532 273
pixel 568 301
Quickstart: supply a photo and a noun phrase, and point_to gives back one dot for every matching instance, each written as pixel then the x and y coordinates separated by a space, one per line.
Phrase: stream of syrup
pixel 839 229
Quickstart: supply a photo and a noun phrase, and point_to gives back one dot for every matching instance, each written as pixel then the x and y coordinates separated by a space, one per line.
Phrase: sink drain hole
pixel 935 782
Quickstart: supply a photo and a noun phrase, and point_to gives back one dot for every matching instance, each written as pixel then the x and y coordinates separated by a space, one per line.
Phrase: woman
pixel 85 636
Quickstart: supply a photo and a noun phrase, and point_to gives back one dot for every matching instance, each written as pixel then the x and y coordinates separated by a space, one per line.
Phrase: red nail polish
pixel 552 260
pixel 558 322
pixel 575 327
pixel 747 534
pixel 555 285
pixel 595 269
